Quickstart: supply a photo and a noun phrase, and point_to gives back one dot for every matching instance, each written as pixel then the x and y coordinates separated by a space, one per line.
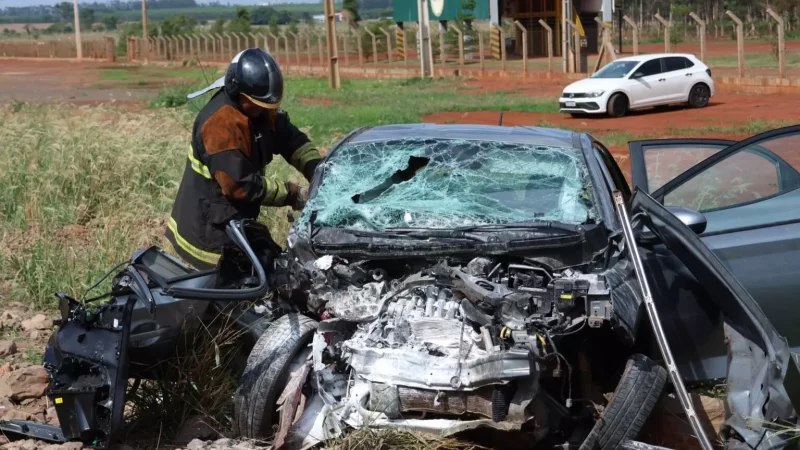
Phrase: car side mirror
pixel 637 75
pixel 695 220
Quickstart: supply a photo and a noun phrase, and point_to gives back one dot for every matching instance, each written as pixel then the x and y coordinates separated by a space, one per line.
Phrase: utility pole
pixel 145 33
pixel 77 25
pixel 424 40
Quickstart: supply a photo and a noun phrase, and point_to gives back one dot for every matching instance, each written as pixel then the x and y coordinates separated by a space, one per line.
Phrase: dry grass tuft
pixel 205 378
pixel 382 439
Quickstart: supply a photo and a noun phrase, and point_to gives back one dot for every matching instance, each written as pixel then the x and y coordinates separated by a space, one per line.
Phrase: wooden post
pixel 739 41
pixel 320 52
pixel 574 33
pixel 277 41
pixel 346 52
pixel 77 25
pixel 255 41
pixel 220 47
pixel 480 49
pixel 145 31
pixel 360 48
pixel 701 30
pixel 600 36
pixel 460 46
pixel 635 29
pixel 238 43
pixel 502 44
pixel 781 43
pixel 442 50
pixel 549 44
pixel 308 46
pixel 205 44
pixel 404 43
pixel 333 51
pixel 374 45
pixel 388 43
pixel 667 26
pixel 524 47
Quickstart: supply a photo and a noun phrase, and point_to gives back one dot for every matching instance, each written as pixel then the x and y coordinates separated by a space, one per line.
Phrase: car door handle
pixel 662 79
pixel 688 74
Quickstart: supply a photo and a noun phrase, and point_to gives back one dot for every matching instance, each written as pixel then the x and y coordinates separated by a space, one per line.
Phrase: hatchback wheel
pixel 698 97
pixel 617 105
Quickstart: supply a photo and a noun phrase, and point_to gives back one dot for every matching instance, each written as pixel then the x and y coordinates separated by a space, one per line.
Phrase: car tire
pixel 699 96
pixel 266 373
pixel 635 397
pixel 617 105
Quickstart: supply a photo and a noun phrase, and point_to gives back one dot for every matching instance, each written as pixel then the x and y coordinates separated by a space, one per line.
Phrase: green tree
pixel 219 26
pixel 350 8
pixel 262 15
pixel 65 12
pixel 242 23
pixel 110 21
pixel 273 25
pixel 87 18
pixel 293 26
pixel 178 25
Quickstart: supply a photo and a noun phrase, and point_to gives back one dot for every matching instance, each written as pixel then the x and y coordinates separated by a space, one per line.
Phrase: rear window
pixel 677 63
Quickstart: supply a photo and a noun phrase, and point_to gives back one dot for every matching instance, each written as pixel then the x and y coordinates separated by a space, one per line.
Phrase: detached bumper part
pixel 35 430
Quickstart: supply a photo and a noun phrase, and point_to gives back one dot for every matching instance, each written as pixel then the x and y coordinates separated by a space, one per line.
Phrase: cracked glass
pixel 448 183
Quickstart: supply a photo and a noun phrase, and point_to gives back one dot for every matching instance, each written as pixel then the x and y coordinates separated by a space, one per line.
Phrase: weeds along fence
pixel 98 49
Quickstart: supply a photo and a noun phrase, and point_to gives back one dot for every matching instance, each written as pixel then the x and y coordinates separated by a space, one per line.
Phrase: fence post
pixel 739 41
pixel 781 43
pixel 277 44
pixel 701 26
pixel 667 26
pixel 374 45
pixel 402 48
pixel 576 36
pixel 480 49
pixel 502 43
pixel 346 52
pixel 460 46
pixel 388 44
pixel 549 44
pixel 286 46
pixel 524 47
pixel 635 29
pixel 360 48
pixel 321 54
pixel 308 45
pixel 442 50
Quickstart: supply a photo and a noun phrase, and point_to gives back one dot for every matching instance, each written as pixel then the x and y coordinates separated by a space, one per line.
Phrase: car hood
pixel 592 84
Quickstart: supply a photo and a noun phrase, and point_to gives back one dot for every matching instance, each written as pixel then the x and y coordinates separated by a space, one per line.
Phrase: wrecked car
pixel 463 279
pixel 470 277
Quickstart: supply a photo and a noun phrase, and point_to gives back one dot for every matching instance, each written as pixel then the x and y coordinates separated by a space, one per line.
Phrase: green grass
pixel 755 60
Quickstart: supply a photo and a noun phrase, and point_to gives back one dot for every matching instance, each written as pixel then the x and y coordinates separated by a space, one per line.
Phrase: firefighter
pixel 235 136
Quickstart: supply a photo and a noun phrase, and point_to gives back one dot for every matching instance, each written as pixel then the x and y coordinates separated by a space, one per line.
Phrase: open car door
pixel 749 194
pixel 762 376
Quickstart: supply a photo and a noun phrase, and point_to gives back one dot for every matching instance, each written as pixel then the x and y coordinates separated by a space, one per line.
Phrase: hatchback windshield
pixel 446 183
pixel 617 69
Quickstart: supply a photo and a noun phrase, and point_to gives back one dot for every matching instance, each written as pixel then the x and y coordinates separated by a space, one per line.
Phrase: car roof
pixel 650 56
pixel 520 135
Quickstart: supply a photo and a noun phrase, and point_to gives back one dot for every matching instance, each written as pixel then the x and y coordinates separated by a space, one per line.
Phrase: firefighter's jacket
pixel 224 175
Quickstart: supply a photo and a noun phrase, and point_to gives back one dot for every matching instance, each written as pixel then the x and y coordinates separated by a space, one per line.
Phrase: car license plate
pixel 570 104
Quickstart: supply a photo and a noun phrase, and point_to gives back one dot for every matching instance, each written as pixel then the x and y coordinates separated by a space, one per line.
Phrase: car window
pixel 652 67
pixel 756 186
pixel 673 63
pixel 664 162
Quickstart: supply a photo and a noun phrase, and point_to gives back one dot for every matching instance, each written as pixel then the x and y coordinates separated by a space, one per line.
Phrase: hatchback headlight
pixel 594 94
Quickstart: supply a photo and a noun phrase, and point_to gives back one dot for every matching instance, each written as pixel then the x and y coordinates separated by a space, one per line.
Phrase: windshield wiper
pixel 521 226
pixel 420 233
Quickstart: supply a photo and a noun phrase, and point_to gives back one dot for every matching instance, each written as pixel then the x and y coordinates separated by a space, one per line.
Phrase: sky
pixel 7 3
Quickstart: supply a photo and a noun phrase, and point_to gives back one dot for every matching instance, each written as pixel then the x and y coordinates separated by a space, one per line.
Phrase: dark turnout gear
pixel 224 175
pixel 256 75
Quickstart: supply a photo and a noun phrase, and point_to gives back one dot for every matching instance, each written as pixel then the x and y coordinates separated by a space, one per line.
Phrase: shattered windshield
pixel 447 183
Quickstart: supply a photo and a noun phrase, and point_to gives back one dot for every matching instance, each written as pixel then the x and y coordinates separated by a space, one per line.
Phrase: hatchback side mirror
pixel 695 220
pixel 637 75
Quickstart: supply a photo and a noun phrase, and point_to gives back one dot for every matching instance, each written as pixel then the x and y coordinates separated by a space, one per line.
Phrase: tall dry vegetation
pixel 82 188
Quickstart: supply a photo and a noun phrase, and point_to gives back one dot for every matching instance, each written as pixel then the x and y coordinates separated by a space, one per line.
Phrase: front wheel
pixel 617 105
pixel 637 393
pixel 276 354
pixel 699 96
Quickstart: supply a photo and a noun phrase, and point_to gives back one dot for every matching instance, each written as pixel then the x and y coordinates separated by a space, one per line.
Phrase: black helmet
pixel 255 74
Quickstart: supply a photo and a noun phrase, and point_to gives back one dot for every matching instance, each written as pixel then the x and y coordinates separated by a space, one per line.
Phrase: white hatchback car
pixel 639 82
